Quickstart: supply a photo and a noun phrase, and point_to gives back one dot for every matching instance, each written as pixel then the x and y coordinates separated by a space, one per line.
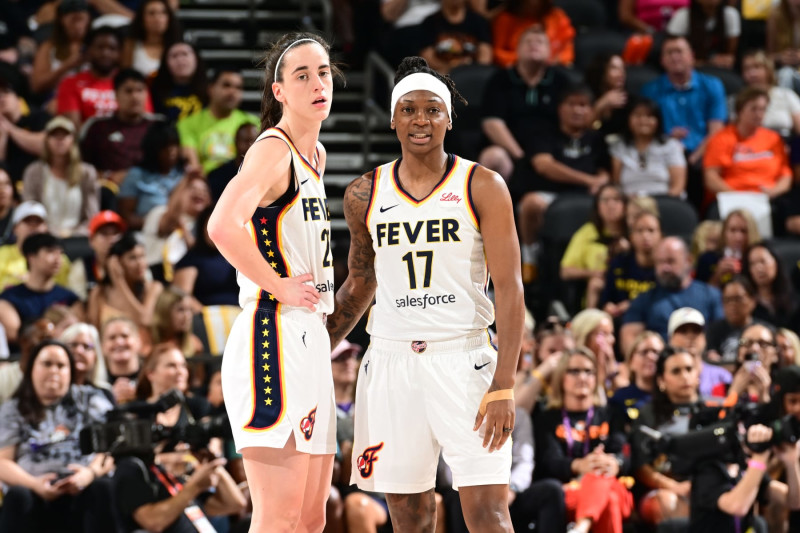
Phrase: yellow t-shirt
pixel 585 250
pixel 13 267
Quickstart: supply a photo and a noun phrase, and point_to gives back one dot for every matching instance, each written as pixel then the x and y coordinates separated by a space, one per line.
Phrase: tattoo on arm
pixel 357 292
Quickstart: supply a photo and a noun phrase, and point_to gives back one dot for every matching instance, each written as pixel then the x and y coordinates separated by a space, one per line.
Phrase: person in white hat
pixel 687 331
pixel 28 218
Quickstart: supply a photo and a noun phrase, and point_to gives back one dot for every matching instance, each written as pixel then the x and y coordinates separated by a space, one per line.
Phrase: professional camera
pixel 131 430
pixel 714 432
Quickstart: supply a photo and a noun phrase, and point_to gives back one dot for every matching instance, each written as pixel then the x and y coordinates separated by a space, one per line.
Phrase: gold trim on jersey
pixel 408 198
pixel 376 176
pixel 468 197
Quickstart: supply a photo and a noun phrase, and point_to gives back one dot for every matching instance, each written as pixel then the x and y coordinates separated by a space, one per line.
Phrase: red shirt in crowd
pixel 89 95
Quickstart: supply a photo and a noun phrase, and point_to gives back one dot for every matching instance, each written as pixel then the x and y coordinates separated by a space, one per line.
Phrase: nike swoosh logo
pixel 304 181
pixel 384 209
pixel 483 365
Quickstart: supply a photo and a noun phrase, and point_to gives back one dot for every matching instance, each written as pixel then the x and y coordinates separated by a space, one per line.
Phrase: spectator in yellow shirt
pixel 28 218
pixel 587 254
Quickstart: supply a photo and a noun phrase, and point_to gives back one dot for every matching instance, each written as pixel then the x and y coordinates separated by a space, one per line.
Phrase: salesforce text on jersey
pixel 425 300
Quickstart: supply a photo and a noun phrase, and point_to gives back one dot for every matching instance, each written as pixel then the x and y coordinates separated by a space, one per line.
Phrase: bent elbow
pixel 217 229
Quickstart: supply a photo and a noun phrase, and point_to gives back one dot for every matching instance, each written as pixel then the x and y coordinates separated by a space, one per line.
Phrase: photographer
pixel 51 483
pixel 787 399
pixel 723 494
pixel 174 492
pixel 154 498
pixel 674 398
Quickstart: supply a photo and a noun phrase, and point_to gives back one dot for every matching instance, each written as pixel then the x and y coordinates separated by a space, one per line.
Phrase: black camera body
pixel 715 433
pixel 131 430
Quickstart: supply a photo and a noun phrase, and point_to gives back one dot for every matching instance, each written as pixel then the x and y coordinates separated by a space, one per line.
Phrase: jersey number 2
pixel 412 275
pixel 326 238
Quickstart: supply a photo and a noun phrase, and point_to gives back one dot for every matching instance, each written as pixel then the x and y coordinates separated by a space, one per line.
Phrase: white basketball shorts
pixel 276 380
pixel 415 399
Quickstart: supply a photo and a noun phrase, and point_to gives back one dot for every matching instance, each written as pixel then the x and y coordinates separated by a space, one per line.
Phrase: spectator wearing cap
pixel 6 204
pixel 60 181
pixel 105 228
pixel 28 218
pixel 91 92
pixel 113 144
pixel 687 331
pixel 674 289
pixel 24 303
pixel 21 128
pixel 62 54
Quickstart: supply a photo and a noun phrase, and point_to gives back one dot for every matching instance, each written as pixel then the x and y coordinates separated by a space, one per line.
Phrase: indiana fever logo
pixel 366 459
pixel 307 424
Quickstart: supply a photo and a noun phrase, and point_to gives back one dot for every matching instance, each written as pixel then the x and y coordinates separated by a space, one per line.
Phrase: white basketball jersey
pixel 294 233
pixel 429 258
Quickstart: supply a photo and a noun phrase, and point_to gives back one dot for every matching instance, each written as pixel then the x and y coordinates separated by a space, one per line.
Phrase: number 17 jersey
pixel 430 263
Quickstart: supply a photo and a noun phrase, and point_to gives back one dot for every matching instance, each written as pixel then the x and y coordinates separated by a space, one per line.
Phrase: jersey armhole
pixel 468 195
pixel 375 176
pixel 293 187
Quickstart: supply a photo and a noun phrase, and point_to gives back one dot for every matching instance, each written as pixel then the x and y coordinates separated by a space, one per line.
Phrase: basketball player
pixel 272 224
pixel 424 229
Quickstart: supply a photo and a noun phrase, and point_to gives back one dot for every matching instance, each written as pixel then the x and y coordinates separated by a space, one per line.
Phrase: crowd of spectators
pixel 114 137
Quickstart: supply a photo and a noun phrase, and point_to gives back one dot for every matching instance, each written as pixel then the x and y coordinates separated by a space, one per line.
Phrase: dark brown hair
pixel 28 403
pixel 271 109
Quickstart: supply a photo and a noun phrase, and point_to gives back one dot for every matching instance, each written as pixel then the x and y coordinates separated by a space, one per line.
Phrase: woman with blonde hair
pixel 90 366
pixel 739 232
pixel 172 321
pixel 641 364
pixel 783 110
pixel 706 237
pixel 788 347
pixel 576 446
pixel 62 182
pixel 594 329
pixel 551 340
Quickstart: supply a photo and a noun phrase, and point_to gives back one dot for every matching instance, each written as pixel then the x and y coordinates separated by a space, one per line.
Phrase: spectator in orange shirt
pixel 521 15
pixel 746 156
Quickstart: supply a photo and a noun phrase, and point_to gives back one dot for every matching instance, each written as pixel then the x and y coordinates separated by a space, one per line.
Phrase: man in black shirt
pixel 21 130
pixel 723 495
pixel 152 497
pixel 519 99
pixel 567 157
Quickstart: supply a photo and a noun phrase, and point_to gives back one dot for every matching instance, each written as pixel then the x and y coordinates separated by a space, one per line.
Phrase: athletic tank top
pixel 294 233
pixel 429 259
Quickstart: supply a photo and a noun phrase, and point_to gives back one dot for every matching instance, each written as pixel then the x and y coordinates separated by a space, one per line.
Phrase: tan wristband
pixel 504 394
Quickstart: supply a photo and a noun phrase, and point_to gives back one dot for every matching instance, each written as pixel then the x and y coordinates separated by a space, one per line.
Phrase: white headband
pixel 278 64
pixel 421 81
